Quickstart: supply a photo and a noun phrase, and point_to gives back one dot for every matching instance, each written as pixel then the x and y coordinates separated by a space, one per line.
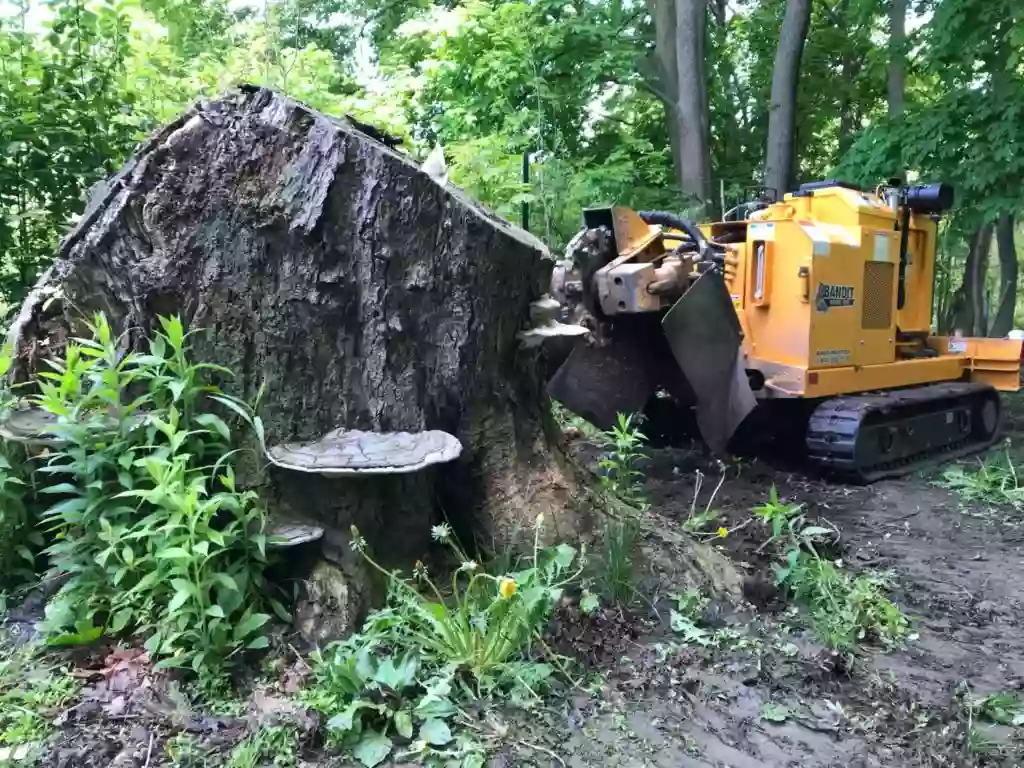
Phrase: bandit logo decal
pixel 829 296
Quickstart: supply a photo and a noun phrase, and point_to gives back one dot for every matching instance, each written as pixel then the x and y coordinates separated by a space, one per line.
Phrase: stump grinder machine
pixel 805 321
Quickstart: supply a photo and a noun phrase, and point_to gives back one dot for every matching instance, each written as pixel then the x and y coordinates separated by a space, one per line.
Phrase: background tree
pixel 679 81
pixel 650 103
pixel 779 158
pixel 897 83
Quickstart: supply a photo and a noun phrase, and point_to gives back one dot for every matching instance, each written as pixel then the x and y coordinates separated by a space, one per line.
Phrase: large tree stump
pixel 356 290
pixel 359 292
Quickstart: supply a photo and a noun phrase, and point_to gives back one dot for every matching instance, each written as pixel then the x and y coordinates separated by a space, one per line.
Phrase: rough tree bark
pixel 897 81
pixel 679 27
pixel 968 315
pixel 1002 323
pixel 358 292
pixel 779 158
pixel 662 77
pixel 691 98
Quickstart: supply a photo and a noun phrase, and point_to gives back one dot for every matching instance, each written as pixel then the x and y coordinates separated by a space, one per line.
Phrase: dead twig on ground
pixel 539 748
pixel 149 750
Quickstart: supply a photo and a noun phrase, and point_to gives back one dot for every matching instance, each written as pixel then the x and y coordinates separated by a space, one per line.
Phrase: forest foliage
pixel 577 87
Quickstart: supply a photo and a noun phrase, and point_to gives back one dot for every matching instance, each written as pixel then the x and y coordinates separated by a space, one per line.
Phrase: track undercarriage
pixel 887 434
pixel 858 438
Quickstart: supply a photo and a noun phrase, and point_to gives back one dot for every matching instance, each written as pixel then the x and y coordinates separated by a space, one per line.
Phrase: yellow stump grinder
pixel 806 317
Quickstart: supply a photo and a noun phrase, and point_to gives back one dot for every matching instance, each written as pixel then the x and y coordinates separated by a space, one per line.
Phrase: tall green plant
pixel 149 523
pixel 620 465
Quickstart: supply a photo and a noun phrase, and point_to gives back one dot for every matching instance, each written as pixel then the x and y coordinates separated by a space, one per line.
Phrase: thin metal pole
pixel 526 180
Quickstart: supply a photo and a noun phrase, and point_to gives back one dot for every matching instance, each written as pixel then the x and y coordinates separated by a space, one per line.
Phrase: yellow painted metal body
pixel 815 285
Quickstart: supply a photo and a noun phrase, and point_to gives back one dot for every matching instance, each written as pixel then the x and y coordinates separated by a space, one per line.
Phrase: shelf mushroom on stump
pixel 353 477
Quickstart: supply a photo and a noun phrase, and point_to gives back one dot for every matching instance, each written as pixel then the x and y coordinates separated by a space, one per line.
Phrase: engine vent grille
pixel 878 288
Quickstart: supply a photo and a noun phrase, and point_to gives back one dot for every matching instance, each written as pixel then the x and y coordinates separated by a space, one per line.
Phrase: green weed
pixel 269 746
pixel 995 480
pixel 999 708
pixel 774 713
pixel 775 514
pixel 22 541
pixel 616 558
pixel 394 689
pixel 845 609
pixel 566 419
pixel 699 520
pixel 687 618
pixel 148 521
pixel 486 620
pixel 979 743
pixel 619 467
pixel 17 523
pixel 186 751
pixel 32 694
pixel 381 703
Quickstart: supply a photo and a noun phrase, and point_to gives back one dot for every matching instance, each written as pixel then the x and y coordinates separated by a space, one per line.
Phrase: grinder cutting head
pixel 661 318
pixel 704 336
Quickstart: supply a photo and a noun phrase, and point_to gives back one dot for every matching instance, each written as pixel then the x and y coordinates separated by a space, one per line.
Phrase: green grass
pixel 32 693
pixel 993 479
pixel 616 556
pixel 269 746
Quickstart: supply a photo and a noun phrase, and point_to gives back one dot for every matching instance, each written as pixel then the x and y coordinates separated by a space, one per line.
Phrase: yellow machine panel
pixel 817 287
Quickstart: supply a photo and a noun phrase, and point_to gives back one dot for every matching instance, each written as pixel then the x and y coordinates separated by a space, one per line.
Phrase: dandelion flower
pixel 358 543
pixel 507 587
pixel 723 532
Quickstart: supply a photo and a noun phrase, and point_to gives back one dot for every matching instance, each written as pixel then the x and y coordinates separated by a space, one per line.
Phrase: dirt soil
pixel 773 698
pixel 958 574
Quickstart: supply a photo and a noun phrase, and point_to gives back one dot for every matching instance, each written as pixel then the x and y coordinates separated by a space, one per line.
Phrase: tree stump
pixel 320 264
pixel 360 294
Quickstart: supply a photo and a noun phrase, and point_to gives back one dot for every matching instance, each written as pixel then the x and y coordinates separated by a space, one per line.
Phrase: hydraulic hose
pixel 666 219
pixel 705 249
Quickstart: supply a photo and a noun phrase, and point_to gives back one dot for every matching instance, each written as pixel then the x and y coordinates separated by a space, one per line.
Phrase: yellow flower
pixel 507 587
pixel 723 532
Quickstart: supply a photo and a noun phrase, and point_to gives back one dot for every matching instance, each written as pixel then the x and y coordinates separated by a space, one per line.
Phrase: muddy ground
pixel 959 573
pixel 773 697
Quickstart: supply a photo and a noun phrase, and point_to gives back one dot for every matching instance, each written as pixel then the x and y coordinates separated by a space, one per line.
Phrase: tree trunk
pixel 665 81
pixel 897 85
pixel 679 28
pixel 1002 324
pixel 691 98
pixel 718 8
pixel 357 293
pixel 779 159
pixel 969 306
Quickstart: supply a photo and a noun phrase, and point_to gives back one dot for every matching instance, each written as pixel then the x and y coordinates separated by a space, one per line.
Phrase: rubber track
pixel 834 426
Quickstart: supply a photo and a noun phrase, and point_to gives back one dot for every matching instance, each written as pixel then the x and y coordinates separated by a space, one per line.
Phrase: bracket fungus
pixel 355 452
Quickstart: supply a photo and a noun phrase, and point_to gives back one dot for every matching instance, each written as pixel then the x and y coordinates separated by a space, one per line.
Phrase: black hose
pixel 666 219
